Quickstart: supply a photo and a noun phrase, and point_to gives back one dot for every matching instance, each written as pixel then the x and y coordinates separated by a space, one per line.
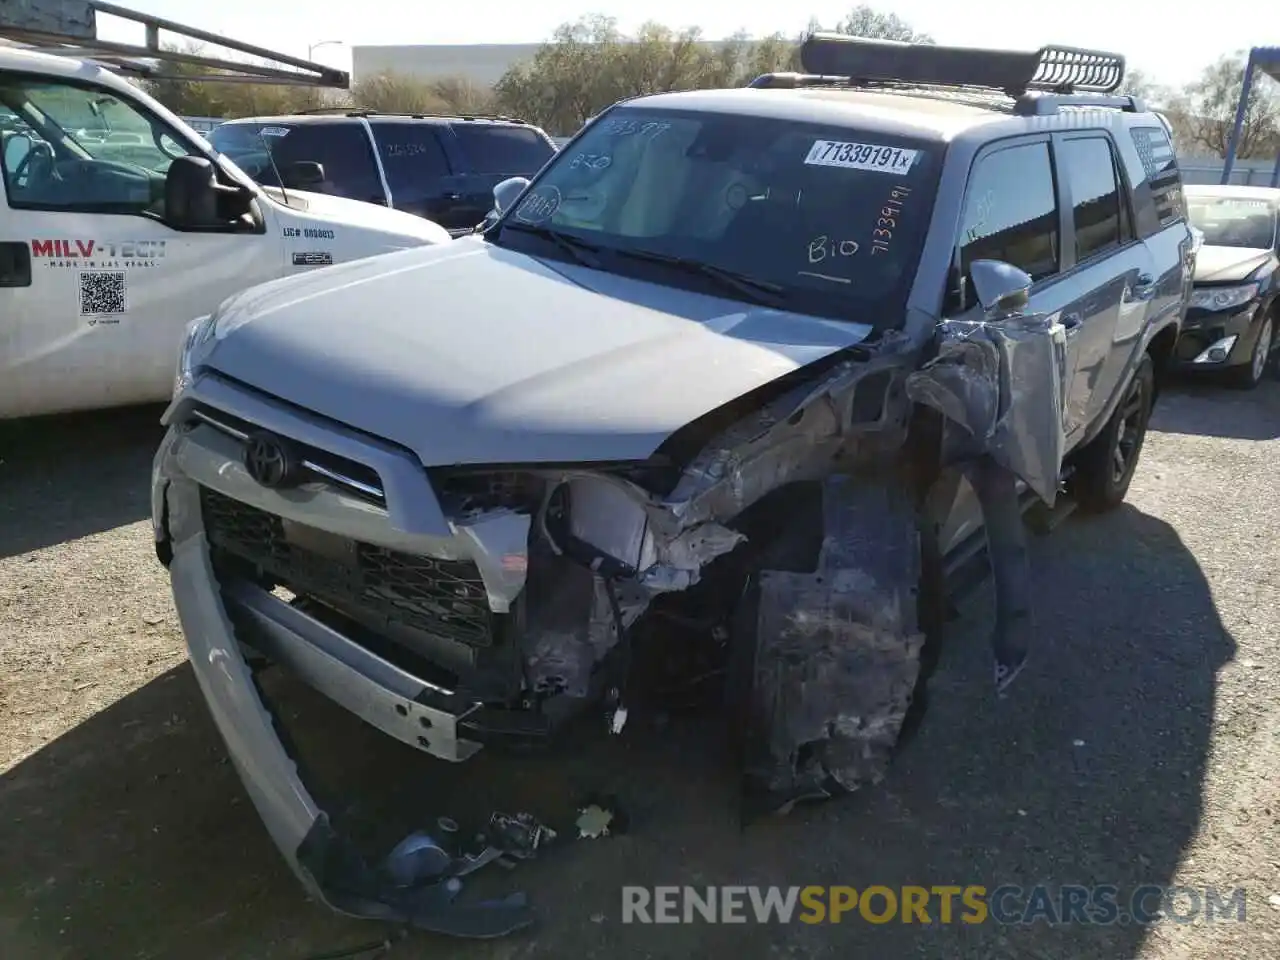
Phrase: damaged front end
pixel 457 607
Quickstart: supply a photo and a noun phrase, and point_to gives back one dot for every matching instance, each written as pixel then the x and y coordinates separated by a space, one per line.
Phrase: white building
pixel 483 64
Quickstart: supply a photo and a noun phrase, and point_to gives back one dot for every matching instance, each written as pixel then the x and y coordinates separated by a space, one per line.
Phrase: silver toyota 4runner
pixel 767 370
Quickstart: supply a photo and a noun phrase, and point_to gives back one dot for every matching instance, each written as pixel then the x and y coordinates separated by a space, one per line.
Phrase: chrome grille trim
pixel 333 476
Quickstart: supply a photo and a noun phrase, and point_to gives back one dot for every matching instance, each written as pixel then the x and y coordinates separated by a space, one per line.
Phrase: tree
pixel 866 21
pixel 589 64
pixel 1211 104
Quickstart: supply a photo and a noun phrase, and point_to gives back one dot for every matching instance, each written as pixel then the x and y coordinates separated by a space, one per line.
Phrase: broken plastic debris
pixel 593 822
pixel 417 857
pixel 618 720
pixel 1077 743
pixel 518 835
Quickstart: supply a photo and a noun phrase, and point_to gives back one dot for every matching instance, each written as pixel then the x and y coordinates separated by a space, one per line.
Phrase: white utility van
pixel 120 224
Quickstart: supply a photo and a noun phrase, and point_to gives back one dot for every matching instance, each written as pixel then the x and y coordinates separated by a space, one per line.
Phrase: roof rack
pixel 69 28
pixel 362 112
pixel 859 61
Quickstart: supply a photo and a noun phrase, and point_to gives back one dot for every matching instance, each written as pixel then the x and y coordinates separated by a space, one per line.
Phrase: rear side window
pixel 412 156
pixel 1090 169
pixel 1160 165
pixel 497 150
pixel 1018 226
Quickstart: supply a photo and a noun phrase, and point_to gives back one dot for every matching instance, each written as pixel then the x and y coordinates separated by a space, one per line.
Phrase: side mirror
pixel 192 196
pixel 1001 288
pixel 303 174
pixel 505 193
pixel 16 148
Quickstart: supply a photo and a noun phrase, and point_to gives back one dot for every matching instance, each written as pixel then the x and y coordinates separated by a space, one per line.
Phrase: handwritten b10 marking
pixel 822 247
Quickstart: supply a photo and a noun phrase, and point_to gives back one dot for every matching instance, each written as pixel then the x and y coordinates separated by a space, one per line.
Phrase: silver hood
pixel 470 353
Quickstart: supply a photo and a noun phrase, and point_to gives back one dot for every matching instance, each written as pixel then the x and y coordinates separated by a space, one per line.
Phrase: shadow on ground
pixel 81 474
pixel 1204 407
pixel 130 837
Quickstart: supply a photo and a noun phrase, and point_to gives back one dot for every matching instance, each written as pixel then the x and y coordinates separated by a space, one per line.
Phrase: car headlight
pixel 198 331
pixel 1223 298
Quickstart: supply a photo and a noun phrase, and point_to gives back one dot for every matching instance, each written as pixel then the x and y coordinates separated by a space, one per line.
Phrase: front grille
pixel 445 598
pixel 354 477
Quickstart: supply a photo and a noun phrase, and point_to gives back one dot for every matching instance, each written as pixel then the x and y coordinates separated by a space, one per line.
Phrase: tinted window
pixel 1091 172
pixel 1161 168
pixel 1011 211
pixel 831 216
pixel 412 157
pixel 502 151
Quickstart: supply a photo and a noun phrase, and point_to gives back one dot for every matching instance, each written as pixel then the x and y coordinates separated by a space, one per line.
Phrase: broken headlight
pixel 602 524
pixel 1223 298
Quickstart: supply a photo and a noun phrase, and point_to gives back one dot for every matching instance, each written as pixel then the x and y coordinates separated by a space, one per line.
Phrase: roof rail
pixel 1037 104
pixel 69 28
pixel 860 61
pixel 363 112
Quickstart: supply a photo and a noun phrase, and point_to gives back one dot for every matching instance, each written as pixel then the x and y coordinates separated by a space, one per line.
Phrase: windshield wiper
pixel 758 291
pixel 580 250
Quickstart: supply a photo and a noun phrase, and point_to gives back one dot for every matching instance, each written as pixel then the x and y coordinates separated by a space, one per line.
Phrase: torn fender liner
pixel 326 863
pixel 1003 383
pixel 836 652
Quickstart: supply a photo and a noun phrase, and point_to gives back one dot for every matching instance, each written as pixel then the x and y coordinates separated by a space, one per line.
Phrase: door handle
pixel 1143 286
pixel 1072 323
pixel 15 264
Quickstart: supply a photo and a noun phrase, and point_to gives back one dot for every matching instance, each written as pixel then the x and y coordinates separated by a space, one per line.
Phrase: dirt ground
pixel 1140 746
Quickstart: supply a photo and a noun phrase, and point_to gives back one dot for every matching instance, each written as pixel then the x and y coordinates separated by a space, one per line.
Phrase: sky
pixel 1172 54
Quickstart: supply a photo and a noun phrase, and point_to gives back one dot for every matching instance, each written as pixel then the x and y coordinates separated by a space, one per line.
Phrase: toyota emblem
pixel 269 460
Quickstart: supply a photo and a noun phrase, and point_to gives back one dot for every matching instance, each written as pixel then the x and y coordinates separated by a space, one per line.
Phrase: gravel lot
pixel 1140 745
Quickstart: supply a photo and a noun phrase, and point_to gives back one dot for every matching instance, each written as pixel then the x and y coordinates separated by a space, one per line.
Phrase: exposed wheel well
pixel 1161 351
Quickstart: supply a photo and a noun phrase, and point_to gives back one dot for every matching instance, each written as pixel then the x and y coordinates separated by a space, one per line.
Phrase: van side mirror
pixel 194 200
pixel 505 193
pixel 17 146
pixel 303 174
pixel 1002 289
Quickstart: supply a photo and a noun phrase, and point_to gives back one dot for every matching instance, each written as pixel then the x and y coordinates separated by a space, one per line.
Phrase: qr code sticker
pixel 102 294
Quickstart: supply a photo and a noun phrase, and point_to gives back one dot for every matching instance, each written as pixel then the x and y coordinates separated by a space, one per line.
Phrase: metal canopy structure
pixel 1266 60
pixel 69 28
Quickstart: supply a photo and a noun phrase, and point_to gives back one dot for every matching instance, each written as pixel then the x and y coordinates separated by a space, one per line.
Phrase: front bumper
pixel 216 616
pixel 1231 332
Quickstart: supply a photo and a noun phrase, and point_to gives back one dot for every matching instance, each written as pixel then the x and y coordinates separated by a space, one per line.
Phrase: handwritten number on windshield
pixel 822 247
pixel 887 221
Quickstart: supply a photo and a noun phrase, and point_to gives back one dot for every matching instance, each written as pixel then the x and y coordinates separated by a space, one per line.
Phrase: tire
pixel 1105 467
pixel 1247 376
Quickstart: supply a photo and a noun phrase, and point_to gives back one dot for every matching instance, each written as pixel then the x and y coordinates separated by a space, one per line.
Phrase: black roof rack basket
pixel 1055 68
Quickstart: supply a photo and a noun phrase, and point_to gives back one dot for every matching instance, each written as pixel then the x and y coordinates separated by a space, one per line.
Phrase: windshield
pixel 102 126
pixel 829 219
pixel 249 146
pixel 1234 221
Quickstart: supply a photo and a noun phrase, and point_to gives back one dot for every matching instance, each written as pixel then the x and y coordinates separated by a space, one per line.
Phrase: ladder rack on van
pixel 69 28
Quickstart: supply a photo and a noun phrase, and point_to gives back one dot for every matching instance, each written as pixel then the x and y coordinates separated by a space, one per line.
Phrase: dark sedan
pixel 1234 315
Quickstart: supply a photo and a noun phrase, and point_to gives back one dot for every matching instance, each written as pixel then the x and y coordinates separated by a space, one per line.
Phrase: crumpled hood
pixel 470 353
pixel 1225 264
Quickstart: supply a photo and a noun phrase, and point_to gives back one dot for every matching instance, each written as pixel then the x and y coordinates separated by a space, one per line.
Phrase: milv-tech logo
pixel 98 254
